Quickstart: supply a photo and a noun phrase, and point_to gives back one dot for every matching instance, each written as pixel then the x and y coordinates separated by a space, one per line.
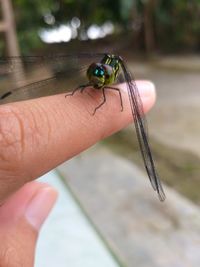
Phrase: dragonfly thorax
pixel 100 75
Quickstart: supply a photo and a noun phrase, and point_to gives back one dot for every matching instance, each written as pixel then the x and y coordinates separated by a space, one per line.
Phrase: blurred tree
pixel 169 25
pixel 177 24
pixel 149 7
pixel 154 24
pixel 32 15
pixel 29 17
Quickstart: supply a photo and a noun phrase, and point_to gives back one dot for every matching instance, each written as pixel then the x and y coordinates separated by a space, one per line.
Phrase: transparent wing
pixel 35 76
pixel 30 77
pixel 141 131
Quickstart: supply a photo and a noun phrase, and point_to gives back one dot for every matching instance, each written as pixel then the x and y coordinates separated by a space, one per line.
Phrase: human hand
pixel 35 137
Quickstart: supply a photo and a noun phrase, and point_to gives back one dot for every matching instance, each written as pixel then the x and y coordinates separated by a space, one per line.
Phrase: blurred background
pixel 160 40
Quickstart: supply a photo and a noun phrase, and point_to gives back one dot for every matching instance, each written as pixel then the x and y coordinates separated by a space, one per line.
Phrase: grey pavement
pixel 67 237
pixel 174 120
pixel 188 62
pixel 119 199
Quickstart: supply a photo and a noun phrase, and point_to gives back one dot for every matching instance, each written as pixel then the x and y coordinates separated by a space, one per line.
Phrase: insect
pixel 102 74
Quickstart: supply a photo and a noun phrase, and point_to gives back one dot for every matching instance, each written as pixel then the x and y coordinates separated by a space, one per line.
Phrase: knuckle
pixel 20 132
pixel 8 251
pixel 11 134
pixel 9 257
pixel 21 128
pixel 11 150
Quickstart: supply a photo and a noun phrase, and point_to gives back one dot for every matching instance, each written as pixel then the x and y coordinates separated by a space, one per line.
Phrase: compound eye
pixel 99 72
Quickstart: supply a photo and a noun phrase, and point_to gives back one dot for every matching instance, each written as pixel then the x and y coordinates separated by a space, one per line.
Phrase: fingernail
pixel 40 206
pixel 146 88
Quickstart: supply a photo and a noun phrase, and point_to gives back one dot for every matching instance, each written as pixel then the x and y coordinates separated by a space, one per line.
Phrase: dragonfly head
pixel 96 74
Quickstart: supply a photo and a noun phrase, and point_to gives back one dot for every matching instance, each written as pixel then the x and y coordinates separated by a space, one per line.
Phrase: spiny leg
pixel 103 102
pixel 81 88
pixel 120 95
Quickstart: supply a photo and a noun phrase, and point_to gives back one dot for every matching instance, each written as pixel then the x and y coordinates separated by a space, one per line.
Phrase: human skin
pixel 35 137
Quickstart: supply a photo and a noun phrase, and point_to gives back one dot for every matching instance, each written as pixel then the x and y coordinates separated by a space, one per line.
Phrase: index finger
pixel 38 135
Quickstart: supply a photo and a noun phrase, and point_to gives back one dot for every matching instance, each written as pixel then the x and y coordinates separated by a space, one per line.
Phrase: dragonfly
pixel 46 75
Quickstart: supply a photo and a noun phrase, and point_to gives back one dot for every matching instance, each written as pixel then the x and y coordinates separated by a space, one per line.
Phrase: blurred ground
pixel 140 230
pixel 173 122
pixel 118 197
pixel 62 242
pixel 174 119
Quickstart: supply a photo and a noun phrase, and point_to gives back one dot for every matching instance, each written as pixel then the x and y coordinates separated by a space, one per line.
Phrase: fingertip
pixel 40 206
pixel 33 194
pixel 147 93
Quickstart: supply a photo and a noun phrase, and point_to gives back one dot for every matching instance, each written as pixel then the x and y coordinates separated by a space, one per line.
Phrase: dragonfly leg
pixel 103 102
pixel 81 88
pixel 120 95
pixel 5 95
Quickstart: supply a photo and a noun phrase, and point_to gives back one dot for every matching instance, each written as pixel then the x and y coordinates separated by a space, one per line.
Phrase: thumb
pixel 21 217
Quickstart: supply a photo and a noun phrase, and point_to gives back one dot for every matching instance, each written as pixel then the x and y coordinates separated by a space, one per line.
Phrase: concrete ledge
pixel 141 231
pixel 68 238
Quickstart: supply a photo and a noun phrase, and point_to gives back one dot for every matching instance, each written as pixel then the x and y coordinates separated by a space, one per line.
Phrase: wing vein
pixel 141 131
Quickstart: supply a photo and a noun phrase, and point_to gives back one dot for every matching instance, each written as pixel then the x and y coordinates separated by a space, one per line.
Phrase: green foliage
pixel 175 23
pixel 90 11
pixel 30 16
pixel 29 19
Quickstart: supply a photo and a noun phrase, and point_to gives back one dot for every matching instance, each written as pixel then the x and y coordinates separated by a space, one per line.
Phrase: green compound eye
pixel 99 72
